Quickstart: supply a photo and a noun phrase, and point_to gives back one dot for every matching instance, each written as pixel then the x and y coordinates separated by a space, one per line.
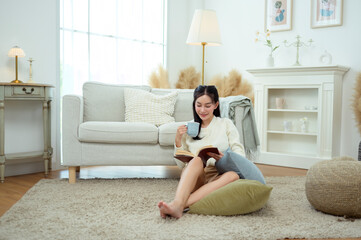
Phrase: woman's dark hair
pixel 210 91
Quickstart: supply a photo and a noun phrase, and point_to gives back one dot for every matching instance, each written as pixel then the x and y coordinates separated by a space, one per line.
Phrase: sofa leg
pixel 78 169
pixel 72 174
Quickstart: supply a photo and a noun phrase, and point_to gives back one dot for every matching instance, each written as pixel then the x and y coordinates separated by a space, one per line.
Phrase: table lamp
pixel 16 52
pixel 204 31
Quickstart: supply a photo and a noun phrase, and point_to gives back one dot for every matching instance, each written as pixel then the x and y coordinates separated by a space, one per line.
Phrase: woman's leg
pixel 206 189
pixel 192 173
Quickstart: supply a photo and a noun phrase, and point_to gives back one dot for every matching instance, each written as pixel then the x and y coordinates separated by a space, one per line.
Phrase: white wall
pixel 32 25
pixel 239 20
pixel 180 55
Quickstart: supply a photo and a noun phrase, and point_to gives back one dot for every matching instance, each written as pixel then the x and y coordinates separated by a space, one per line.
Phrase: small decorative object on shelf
pixel 266 39
pixel 31 71
pixel 326 58
pixel 280 102
pixel 308 107
pixel 287 125
pixel 298 44
pixel 304 124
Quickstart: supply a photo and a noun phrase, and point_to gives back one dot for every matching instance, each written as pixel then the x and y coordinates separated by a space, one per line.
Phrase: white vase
pixel 270 61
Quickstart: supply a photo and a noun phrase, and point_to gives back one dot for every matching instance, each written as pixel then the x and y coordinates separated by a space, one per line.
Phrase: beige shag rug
pixel 126 209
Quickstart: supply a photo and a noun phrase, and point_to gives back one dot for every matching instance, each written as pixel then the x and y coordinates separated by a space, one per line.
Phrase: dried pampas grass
pixel 189 78
pixel 356 105
pixel 233 85
pixel 159 79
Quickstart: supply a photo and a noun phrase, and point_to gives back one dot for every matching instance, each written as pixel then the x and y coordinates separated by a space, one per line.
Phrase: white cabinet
pixel 298 114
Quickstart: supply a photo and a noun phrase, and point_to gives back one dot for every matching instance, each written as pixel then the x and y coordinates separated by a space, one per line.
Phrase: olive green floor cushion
pixel 334 186
pixel 239 197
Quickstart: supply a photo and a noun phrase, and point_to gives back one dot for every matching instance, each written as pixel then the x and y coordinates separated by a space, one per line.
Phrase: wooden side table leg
pixel 2 172
pixel 45 129
pixel 50 154
pixel 2 141
pixel 46 167
pixel 50 149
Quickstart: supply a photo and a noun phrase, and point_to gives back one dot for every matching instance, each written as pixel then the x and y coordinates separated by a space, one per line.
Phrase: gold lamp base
pixel 16 81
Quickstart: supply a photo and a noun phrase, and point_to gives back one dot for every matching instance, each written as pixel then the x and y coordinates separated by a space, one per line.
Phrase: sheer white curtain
pixel 111 41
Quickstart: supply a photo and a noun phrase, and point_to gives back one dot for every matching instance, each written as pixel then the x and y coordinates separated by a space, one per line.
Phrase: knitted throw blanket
pixel 245 124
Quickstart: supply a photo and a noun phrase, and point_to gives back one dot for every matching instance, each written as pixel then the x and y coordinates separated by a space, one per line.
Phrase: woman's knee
pixel 197 161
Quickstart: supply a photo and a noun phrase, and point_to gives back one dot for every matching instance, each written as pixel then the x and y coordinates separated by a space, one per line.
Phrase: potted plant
pixel 266 39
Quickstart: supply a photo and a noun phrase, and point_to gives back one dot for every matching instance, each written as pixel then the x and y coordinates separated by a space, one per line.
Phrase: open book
pixel 186 156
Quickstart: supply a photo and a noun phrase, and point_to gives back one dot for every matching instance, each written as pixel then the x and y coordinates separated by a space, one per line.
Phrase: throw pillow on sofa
pixel 143 106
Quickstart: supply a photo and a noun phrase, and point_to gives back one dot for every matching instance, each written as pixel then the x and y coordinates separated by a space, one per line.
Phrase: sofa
pixel 95 131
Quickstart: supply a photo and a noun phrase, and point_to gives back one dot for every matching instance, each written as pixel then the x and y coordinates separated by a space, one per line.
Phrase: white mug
pixel 280 102
pixel 192 129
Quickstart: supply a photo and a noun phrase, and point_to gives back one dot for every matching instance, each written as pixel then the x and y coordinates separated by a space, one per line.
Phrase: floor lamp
pixel 204 31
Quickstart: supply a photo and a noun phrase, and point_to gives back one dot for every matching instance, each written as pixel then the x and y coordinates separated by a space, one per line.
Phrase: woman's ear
pixel 217 103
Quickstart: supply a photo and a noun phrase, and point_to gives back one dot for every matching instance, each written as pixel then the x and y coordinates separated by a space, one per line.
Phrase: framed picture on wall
pixel 278 15
pixel 326 13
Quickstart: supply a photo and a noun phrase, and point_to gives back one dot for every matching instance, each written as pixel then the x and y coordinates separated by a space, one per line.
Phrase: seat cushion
pixel 239 197
pixel 118 132
pixel 167 133
pixel 334 186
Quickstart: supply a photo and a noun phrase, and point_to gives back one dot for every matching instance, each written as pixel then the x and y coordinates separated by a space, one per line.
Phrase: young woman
pixel 196 181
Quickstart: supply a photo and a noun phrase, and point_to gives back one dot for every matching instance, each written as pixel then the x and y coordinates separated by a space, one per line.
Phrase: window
pixel 111 41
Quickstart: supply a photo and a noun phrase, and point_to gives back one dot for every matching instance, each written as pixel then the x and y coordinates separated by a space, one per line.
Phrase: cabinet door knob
pixel 28 92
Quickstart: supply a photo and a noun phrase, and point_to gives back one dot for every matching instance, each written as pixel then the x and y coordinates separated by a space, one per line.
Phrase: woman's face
pixel 205 107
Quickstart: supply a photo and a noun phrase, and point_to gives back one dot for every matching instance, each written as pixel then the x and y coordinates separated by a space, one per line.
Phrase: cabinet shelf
pixel 288 154
pixel 292 110
pixel 293 133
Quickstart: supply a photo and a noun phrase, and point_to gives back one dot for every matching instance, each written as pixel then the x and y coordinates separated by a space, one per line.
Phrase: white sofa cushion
pixel 118 132
pixel 105 102
pixel 183 106
pixel 143 106
pixel 167 133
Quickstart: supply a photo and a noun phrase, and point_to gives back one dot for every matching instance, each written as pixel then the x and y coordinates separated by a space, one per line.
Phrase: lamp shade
pixel 16 51
pixel 204 29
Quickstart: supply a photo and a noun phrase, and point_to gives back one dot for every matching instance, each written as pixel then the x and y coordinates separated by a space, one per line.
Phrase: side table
pixel 26 92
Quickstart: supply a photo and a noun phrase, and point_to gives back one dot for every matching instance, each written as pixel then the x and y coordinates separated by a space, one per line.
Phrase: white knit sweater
pixel 220 133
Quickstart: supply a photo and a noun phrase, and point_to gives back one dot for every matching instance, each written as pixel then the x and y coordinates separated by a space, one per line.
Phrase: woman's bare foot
pixel 171 209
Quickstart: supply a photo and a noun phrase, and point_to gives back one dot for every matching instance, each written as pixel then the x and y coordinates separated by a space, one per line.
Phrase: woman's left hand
pixel 215 155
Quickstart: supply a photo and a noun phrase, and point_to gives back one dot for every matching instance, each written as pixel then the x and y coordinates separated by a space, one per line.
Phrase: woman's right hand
pixel 182 129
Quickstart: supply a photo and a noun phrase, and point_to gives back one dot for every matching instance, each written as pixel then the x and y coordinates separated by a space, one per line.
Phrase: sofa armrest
pixel 72 117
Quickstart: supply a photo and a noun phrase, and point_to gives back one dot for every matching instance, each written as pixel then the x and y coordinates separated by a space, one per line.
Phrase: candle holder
pixel 31 71
pixel 298 44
